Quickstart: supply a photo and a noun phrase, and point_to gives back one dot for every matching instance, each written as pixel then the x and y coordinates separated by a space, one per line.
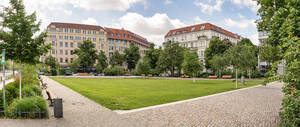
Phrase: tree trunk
pixel 242 79
pixel 236 77
pixel 194 79
pixel 13 68
pixel 249 74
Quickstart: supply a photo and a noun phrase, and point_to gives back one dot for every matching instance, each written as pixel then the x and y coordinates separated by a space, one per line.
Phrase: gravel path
pixel 78 112
pixel 257 106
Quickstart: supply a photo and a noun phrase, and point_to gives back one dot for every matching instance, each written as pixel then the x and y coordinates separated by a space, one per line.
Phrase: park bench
pixel 212 76
pixel 83 74
pixel 49 98
pixel 143 75
pixel 149 75
pixel 227 76
pixel 184 76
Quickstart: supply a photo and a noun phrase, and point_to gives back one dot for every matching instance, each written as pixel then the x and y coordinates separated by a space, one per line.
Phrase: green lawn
pixel 125 94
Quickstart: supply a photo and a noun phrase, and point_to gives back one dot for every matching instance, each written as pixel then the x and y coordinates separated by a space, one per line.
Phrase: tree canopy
pixel 116 59
pixel 87 54
pixel 102 62
pixel 171 58
pixel 216 47
pixel 18 33
pixel 191 64
pixel 132 56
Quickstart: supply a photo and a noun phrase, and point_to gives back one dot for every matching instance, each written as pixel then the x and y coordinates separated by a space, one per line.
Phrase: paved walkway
pixel 78 112
pixel 257 106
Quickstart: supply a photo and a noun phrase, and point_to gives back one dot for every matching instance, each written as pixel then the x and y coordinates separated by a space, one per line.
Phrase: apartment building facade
pixel 66 37
pixel 197 37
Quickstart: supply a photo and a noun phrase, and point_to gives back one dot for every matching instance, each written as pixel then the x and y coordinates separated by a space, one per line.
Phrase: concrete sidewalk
pixel 78 112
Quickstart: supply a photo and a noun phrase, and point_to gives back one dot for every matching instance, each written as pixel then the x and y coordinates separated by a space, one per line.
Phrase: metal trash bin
pixel 58 108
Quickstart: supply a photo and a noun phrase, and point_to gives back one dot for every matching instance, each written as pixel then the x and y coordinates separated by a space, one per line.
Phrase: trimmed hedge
pixel 114 71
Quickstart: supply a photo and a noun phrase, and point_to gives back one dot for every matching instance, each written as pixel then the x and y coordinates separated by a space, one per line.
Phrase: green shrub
pixel 62 71
pixel 114 71
pixel 29 104
pixel 142 68
pixel 31 91
pixel 53 72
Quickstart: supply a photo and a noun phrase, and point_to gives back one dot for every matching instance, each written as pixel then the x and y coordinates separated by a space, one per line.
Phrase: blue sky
pixel 150 18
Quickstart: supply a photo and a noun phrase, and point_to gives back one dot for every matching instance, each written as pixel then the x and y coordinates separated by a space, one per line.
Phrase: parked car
pixel 68 72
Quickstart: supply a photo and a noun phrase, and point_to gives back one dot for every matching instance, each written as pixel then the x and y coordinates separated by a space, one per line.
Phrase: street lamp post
pixel 3 78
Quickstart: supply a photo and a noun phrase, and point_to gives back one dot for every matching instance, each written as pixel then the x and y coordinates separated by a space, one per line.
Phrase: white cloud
pixel 208 8
pixel 254 39
pixel 153 28
pixel 198 20
pixel 242 24
pixel 118 5
pixel 168 1
pixel 90 21
pixel 246 3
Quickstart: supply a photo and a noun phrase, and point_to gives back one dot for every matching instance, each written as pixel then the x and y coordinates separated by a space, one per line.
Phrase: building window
pixel 94 39
pixel 77 30
pixel 71 44
pixel 53 43
pixel 71 37
pixel 53 36
pixel 89 38
pixel 53 51
pixel 94 32
pixel 61 60
pixel 71 60
pixel 53 29
pixel 119 35
pixel 112 34
pixel 101 33
pixel 71 30
pixel 89 32
pixel 61 37
pixel 83 38
pixel 60 30
pixel 202 27
pixel 66 37
pixel 66 44
pixel 60 44
pixel 66 52
pixel 61 52
pixel 71 52
pixel 84 31
pixel 78 44
pixel 66 60
pixel 66 30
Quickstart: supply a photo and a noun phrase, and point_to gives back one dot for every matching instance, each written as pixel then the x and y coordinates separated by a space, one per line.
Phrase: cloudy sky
pixel 149 18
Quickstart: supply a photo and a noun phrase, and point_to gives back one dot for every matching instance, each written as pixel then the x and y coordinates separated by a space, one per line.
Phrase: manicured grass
pixel 125 94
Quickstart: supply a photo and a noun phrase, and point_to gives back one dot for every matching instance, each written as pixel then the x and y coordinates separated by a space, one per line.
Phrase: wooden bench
pixel 83 74
pixel 227 76
pixel 185 76
pixel 49 98
pixel 212 76
pixel 149 75
pixel 143 75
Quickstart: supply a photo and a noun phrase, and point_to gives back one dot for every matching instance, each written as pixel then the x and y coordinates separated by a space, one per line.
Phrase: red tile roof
pixel 75 26
pixel 126 35
pixel 199 27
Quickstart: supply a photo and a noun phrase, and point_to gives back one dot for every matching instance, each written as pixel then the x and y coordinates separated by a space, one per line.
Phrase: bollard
pixel 58 108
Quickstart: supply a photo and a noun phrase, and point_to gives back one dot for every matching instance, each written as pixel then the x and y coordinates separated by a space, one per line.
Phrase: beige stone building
pixel 66 37
pixel 197 37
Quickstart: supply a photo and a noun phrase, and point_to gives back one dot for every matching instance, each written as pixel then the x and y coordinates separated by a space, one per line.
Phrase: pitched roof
pixel 75 26
pixel 122 34
pixel 199 27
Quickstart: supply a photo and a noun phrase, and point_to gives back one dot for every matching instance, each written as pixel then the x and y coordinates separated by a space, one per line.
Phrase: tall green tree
pixel 132 56
pixel 216 47
pixel 191 64
pixel 116 59
pixel 51 62
pixel 87 54
pixel 241 58
pixel 102 62
pixel 171 58
pixel 219 63
pixel 280 18
pixel 18 38
pixel 269 53
pixel 151 57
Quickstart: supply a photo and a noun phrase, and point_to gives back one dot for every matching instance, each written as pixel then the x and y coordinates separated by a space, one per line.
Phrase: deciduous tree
pixel 191 64
pixel 132 56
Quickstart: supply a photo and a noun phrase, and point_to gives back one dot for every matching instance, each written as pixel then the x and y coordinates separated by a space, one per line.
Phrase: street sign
pixel 3 57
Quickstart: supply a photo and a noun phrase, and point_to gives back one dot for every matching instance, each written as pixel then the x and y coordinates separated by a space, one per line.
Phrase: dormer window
pixel 202 27
pixel 193 29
